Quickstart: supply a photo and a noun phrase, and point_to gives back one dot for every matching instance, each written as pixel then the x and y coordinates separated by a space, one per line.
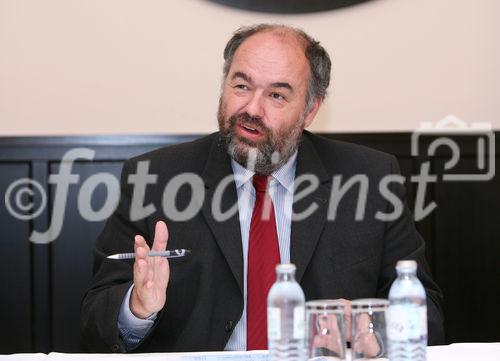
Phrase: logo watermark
pixel 441 135
pixel 26 199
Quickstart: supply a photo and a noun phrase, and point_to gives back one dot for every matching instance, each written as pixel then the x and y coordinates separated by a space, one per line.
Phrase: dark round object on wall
pixel 288 6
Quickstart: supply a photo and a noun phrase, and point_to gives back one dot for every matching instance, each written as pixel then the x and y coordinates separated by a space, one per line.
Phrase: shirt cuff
pixel 132 328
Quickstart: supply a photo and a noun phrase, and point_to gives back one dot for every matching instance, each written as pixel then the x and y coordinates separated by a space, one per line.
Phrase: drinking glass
pixel 369 335
pixel 325 330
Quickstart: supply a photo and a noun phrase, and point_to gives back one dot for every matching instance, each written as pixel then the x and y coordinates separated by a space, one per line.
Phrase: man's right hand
pixel 151 274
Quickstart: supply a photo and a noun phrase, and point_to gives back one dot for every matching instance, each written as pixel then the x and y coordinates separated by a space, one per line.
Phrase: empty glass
pixel 369 336
pixel 325 330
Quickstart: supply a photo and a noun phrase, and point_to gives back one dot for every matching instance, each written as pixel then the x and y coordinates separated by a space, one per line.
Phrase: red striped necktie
pixel 263 256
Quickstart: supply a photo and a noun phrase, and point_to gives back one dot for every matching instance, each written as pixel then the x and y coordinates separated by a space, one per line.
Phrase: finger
pixel 140 273
pixel 151 273
pixel 140 265
pixel 141 248
pixel 163 274
pixel 150 278
pixel 141 253
pixel 140 243
pixel 161 237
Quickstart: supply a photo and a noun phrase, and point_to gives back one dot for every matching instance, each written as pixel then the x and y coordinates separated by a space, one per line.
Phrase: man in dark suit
pixel 275 79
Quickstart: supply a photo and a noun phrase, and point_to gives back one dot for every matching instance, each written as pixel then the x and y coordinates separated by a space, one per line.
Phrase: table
pixel 453 352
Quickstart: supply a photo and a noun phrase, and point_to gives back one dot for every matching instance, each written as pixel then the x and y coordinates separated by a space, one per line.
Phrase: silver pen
pixel 175 253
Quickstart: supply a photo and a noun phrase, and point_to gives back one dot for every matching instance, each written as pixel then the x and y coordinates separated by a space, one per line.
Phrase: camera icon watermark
pixel 445 133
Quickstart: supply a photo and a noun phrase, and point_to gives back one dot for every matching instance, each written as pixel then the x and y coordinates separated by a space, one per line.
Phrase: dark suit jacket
pixel 340 258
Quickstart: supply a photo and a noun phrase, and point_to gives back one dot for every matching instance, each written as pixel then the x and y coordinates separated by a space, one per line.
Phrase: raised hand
pixel 151 274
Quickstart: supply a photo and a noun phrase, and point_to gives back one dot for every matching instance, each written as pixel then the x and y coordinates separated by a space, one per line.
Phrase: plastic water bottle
pixel 407 315
pixel 286 317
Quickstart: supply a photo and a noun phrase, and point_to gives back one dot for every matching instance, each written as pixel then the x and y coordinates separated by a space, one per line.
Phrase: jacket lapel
pixel 305 233
pixel 227 232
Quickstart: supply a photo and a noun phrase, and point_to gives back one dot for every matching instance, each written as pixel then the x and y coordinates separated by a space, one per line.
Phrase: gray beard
pixel 261 158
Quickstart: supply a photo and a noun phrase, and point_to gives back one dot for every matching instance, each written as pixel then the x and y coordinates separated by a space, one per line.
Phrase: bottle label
pixel 273 323
pixel 406 322
pixel 299 322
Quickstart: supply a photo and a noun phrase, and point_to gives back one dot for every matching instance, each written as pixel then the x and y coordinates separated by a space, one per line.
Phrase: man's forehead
pixel 280 56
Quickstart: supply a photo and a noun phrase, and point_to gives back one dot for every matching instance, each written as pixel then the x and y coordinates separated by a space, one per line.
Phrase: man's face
pixel 262 108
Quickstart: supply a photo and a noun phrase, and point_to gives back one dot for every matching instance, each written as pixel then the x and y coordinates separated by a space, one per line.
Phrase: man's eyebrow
pixel 282 85
pixel 241 75
pixel 247 78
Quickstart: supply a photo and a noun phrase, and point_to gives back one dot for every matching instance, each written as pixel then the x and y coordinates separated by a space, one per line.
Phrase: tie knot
pixel 260 183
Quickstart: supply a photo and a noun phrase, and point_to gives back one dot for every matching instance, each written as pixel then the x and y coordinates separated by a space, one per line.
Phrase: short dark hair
pixel 319 60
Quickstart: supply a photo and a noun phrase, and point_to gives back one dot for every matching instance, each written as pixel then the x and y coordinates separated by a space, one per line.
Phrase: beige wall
pixel 153 66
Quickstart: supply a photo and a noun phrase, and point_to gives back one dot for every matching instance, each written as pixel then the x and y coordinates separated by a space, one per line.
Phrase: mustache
pixel 246 118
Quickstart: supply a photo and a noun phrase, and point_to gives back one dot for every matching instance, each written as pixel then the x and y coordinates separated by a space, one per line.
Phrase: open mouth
pixel 250 129
pixel 249 132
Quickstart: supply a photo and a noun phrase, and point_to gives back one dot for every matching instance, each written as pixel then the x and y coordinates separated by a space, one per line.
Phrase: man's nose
pixel 255 107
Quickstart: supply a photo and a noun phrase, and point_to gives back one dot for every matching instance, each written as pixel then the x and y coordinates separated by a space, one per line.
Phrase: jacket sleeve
pixel 112 279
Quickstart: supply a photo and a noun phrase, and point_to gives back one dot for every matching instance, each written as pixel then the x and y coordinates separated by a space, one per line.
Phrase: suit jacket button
pixel 115 348
pixel 229 326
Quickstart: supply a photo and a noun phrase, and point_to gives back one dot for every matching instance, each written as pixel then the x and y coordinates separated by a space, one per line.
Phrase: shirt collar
pixel 284 175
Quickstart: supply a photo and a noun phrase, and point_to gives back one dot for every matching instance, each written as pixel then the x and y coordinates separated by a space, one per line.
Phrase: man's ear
pixel 311 114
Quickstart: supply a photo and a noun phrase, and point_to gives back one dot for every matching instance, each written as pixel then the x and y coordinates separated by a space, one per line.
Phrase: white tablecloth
pixel 453 352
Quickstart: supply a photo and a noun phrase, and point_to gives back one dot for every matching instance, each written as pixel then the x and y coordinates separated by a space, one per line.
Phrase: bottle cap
pixel 406 264
pixel 285 267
